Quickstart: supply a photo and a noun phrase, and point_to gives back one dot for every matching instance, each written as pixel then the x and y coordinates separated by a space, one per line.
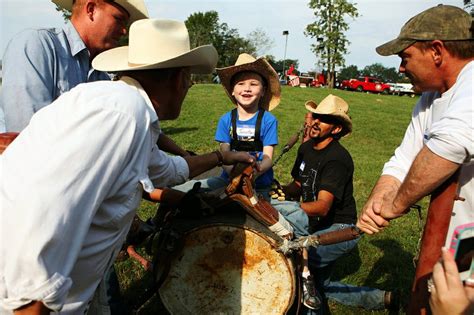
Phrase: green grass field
pixel 379 121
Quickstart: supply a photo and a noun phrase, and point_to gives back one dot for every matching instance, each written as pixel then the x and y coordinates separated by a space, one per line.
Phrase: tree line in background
pixel 376 70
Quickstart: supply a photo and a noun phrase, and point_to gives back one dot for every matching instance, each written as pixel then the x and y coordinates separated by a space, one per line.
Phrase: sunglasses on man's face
pixel 325 119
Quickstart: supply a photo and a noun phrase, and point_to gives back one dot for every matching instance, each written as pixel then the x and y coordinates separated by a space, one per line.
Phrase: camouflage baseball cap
pixel 443 22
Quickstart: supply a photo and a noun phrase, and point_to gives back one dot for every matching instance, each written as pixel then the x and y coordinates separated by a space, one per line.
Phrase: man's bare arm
pixel 319 207
pixel 427 172
pixel 33 308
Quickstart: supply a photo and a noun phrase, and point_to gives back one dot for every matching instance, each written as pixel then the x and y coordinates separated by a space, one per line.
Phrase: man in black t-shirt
pixel 323 191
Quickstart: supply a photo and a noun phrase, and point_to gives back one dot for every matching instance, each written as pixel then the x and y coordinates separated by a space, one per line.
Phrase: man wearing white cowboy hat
pixel 322 180
pixel 65 233
pixel 41 64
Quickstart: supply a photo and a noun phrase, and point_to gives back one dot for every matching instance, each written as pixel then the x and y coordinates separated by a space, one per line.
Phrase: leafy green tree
pixel 328 30
pixel 278 65
pixel 230 45
pixel 260 40
pixel 385 74
pixel 347 73
pixel 205 28
pixel 374 70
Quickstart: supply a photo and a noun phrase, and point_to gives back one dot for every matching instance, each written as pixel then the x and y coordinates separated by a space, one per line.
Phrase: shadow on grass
pixel 177 130
pixel 395 268
pixel 141 296
pixel 394 271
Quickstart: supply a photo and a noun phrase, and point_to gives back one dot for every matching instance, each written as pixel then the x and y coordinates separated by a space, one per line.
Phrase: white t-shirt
pixel 445 125
pixel 70 184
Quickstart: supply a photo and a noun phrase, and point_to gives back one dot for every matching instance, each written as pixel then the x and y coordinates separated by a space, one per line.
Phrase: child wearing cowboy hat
pixel 253 86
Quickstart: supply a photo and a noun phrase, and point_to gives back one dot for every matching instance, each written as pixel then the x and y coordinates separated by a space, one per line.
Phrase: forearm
pixel 166 195
pixel 317 208
pixel 33 308
pixel 265 165
pixel 427 172
pixel 201 163
pixel 167 144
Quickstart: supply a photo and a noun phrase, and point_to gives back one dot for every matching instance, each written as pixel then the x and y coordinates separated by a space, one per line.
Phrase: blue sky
pixel 379 21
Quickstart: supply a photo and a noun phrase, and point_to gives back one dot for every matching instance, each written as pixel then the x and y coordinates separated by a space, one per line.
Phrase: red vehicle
pixel 366 84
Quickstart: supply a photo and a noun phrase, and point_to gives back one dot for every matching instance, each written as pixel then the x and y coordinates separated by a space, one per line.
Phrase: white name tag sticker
pixel 245 131
pixel 302 166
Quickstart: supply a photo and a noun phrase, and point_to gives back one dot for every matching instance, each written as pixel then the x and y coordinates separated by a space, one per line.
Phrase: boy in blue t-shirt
pixel 253 86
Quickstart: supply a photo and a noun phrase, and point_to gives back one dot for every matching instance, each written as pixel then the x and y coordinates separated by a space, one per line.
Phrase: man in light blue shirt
pixel 41 64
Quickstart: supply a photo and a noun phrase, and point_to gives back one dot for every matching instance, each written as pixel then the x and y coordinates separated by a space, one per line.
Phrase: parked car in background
pixel 402 89
pixel 366 84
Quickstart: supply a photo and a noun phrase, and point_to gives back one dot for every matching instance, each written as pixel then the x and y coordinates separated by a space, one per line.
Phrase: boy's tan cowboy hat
pixel 335 107
pixel 246 62
pixel 443 22
pixel 136 8
pixel 157 44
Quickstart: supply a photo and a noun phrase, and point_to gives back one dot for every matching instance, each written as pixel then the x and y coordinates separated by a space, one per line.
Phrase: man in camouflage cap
pixel 436 48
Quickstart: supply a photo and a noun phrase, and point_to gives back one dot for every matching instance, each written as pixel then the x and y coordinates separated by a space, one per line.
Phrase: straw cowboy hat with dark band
pixel 335 107
pixel 157 44
pixel 246 62
pixel 136 8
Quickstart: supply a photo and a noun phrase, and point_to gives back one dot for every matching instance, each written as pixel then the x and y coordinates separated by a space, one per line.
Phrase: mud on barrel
pixel 228 265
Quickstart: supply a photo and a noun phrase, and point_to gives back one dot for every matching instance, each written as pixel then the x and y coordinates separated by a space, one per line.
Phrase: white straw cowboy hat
pixel 335 107
pixel 136 8
pixel 246 62
pixel 157 44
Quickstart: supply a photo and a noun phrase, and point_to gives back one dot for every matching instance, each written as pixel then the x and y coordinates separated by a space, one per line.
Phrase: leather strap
pixel 5 140
pixel 434 237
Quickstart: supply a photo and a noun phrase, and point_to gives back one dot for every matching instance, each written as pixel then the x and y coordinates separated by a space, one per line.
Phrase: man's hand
pixel 372 218
pixel 234 157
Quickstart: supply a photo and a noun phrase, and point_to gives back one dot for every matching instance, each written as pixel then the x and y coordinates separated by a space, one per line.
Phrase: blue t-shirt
pixel 245 130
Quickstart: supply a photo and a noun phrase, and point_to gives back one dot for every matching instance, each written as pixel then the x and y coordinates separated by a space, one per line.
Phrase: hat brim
pixel 394 47
pixel 271 99
pixel 137 11
pixel 344 119
pixel 200 60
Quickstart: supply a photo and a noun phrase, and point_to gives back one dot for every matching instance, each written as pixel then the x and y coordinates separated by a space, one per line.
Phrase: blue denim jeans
pixel 213 183
pixel 321 261
pixel 294 215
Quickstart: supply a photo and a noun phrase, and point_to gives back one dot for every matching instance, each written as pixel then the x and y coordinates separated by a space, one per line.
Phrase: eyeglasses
pixel 325 119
